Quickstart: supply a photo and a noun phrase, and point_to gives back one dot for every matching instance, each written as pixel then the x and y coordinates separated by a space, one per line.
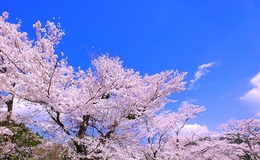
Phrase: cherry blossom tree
pixel 100 110
pixel 244 135
pixel 105 111
pixel 239 140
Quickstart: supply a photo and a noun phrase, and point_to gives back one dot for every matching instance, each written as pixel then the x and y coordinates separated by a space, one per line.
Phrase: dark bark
pixel 82 130
pixel 83 126
pixel 9 109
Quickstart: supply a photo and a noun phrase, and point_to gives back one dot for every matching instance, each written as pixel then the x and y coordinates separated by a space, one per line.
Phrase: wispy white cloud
pixel 195 129
pixel 253 95
pixel 202 69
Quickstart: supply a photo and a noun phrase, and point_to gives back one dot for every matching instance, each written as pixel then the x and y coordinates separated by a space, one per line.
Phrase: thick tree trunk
pixel 9 109
pixel 83 126
pixel 82 130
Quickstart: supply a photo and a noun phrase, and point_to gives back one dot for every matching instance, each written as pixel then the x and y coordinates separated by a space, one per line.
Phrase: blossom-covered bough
pixel 244 136
pixel 105 112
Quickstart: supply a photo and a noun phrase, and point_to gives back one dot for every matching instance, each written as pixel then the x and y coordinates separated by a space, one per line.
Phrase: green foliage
pixel 27 144
pixel 22 136
pixel 23 140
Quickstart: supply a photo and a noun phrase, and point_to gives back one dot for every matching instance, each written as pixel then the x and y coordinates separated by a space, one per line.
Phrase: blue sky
pixel 218 40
